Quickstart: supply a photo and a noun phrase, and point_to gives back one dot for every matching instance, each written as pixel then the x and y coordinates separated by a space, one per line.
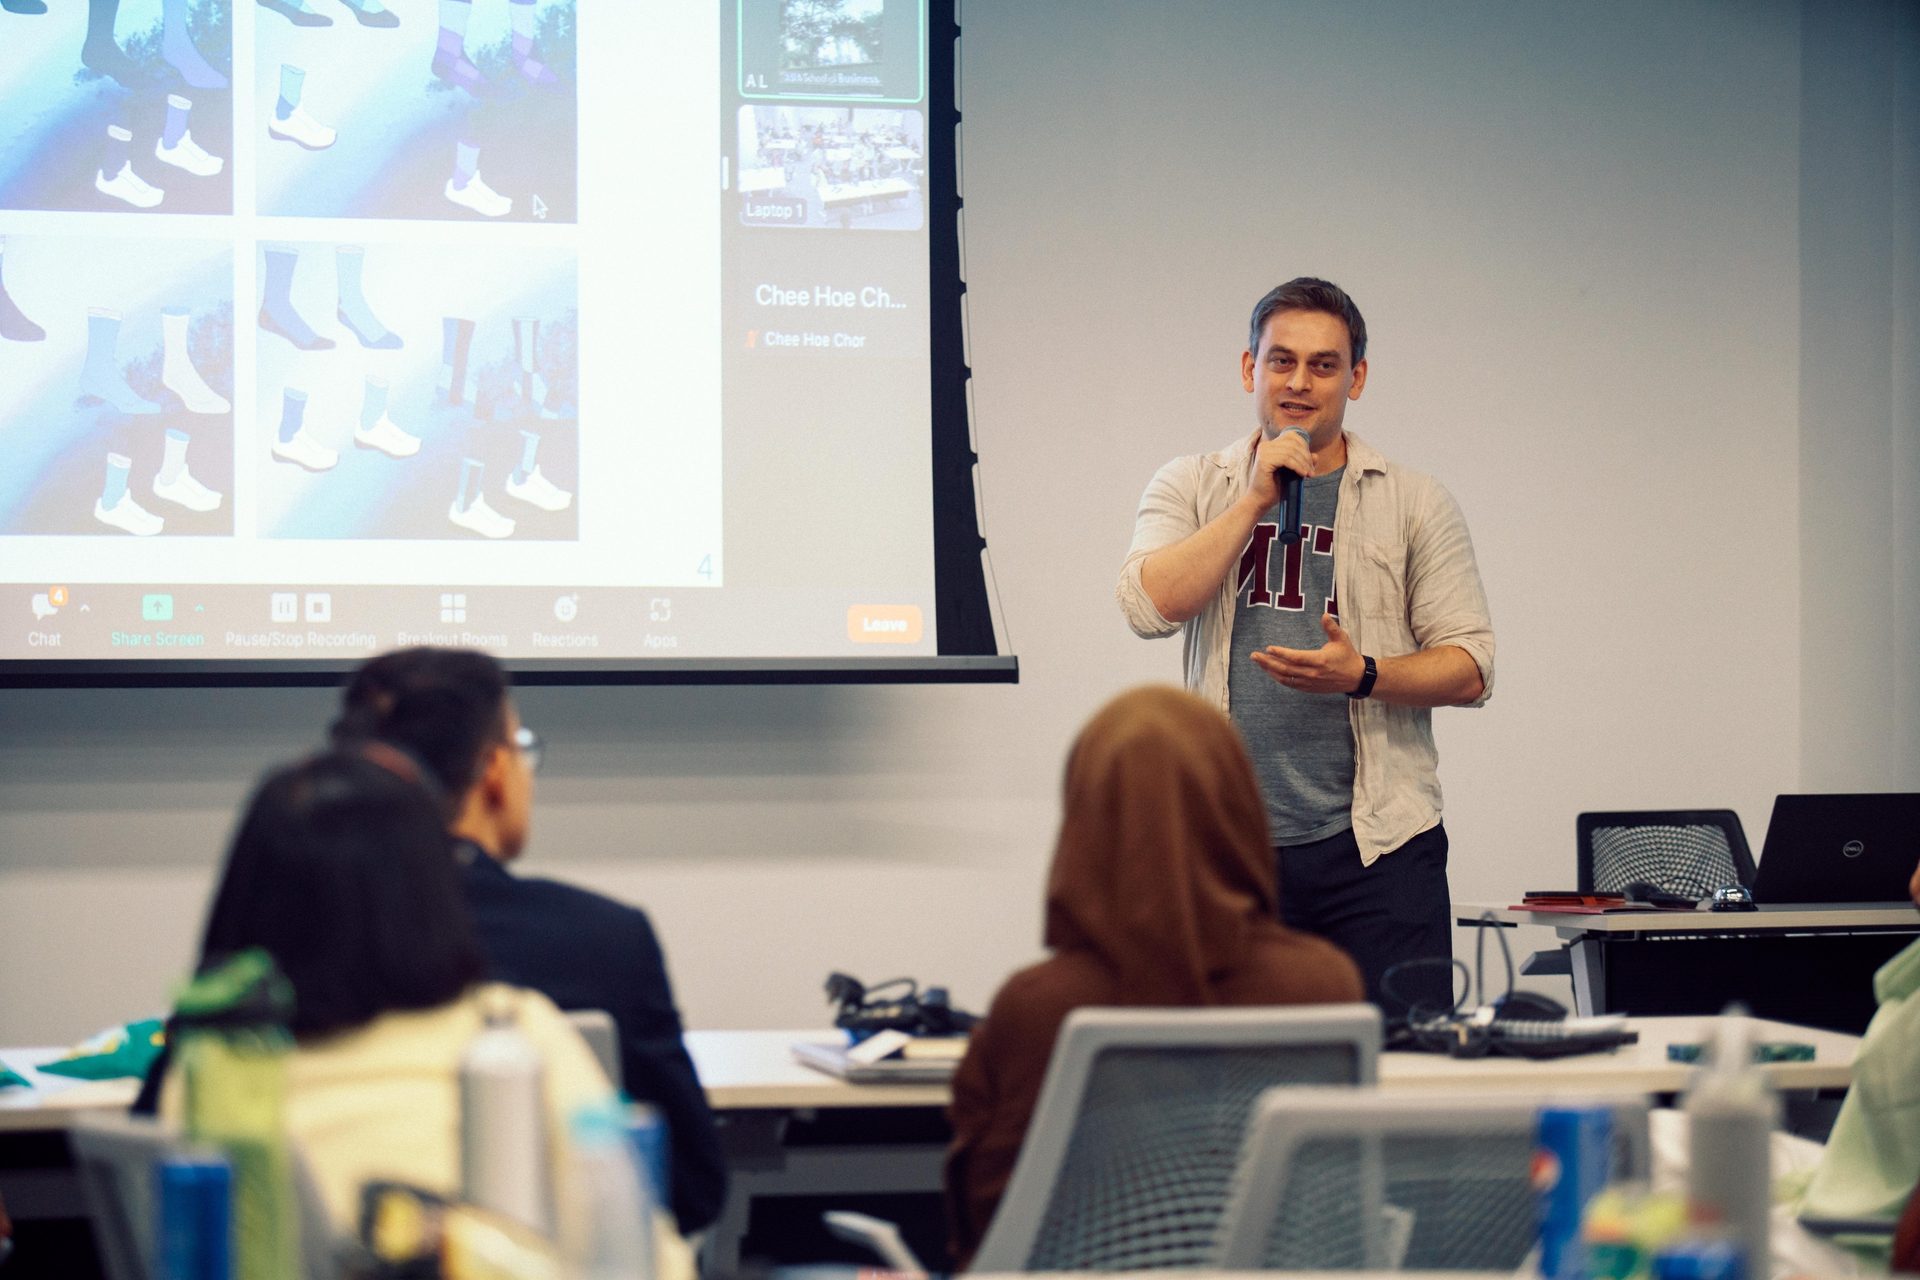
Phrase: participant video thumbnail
pixel 463 110
pixel 832 49
pixel 116 105
pixel 845 167
pixel 416 393
pixel 116 387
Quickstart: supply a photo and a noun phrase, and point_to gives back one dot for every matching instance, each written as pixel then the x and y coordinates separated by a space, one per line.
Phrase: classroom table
pixel 790 1130
pixel 1808 964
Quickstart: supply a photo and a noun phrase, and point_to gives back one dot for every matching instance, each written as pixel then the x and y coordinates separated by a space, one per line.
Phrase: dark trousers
pixel 1394 911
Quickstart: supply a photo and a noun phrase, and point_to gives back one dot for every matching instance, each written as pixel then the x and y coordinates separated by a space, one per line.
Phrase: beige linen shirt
pixel 1404 573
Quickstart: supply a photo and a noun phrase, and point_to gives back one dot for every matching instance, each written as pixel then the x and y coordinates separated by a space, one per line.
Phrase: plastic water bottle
pixel 504 1162
pixel 194 1226
pixel 1731 1113
pixel 609 1228
pixel 1573 1146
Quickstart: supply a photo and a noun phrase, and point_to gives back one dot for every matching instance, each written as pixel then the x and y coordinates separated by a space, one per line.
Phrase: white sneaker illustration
pixel 386 436
pixel 539 491
pixel 189 156
pixel 304 451
pixel 481 518
pixel 186 492
pixel 480 198
pixel 128 186
pixel 128 515
pixel 302 128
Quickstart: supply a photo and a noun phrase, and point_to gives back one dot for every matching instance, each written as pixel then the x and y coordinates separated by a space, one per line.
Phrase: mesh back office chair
pixel 1356 1179
pixel 596 1027
pixel 1130 1155
pixel 115 1155
pixel 1690 852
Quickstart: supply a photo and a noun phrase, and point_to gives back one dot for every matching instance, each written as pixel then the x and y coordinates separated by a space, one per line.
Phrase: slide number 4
pixel 706 567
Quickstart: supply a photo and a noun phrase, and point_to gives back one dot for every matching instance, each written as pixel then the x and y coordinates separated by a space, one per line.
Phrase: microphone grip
pixel 1289 505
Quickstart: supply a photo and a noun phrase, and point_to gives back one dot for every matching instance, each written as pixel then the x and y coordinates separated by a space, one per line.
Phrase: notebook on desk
pixel 1839 848
pixel 922 1060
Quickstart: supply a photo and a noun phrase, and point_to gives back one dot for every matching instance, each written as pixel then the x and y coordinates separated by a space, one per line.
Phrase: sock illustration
pixel 295 443
pixel 377 430
pixel 177 47
pixel 371 13
pixel 175 483
pixel 276 308
pixel 290 119
pixel 116 177
pixel 526 350
pixel 176 146
pixel 450 61
pixel 456 336
pixel 14 325
pixel 466 188
pixel 116 507
pixel 520 16
pixel 297 12
pixel 24 6
pixel 349 261
pixel 528 485
pixel 101 53
pixel 100 378
pixel 177 373
pixel 470 509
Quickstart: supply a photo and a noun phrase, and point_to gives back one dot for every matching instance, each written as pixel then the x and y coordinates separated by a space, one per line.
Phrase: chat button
pixel 884 624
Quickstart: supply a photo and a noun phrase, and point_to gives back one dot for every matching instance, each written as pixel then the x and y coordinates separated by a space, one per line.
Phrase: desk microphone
pixel 1290 498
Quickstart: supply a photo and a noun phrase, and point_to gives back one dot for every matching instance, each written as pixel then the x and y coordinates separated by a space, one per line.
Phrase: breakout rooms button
pixel 883 624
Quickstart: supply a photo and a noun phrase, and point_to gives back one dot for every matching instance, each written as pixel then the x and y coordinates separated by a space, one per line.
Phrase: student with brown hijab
pixel 1162 893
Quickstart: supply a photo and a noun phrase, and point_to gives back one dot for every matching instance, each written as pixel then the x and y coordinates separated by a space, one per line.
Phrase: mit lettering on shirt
pixel 1256 580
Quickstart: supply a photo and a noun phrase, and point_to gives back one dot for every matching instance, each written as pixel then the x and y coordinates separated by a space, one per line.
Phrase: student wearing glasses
pixel 451 711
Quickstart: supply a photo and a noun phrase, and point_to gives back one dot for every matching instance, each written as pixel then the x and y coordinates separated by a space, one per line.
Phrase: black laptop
pixel 1834 848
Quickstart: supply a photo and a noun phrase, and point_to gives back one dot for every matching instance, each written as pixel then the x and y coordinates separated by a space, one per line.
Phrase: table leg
pixel 1589 975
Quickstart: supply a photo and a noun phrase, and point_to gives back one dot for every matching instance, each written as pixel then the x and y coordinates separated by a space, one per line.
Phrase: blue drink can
pixel 1572 1153
pixel 647 1132
pixel 194 1225
pixel 1700 1260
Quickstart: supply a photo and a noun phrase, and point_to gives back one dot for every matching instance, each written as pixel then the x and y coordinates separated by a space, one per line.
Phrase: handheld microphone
pixel 1290 499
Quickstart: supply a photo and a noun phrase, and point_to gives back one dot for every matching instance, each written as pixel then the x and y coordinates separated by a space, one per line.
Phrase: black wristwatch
pixel 1367 678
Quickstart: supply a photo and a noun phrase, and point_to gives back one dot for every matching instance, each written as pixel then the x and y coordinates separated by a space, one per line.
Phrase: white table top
pixel 29 1108
pixel 1839 915
pixel 749 1070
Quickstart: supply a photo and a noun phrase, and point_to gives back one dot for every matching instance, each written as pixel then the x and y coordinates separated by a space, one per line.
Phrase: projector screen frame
pixel 964 624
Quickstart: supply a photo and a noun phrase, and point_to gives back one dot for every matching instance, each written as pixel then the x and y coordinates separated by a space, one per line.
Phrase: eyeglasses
pixel 529 744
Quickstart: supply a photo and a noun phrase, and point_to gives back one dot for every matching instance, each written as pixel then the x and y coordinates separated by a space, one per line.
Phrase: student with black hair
pixel 339 872
pixel 451 710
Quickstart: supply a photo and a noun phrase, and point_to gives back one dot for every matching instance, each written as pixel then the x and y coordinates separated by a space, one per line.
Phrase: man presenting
pixel 1328 651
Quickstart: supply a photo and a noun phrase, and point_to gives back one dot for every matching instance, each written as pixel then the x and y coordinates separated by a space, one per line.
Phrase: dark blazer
pixel 584 951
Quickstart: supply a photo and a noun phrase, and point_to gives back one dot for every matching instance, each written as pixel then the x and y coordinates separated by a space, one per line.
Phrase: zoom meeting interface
pixel 589 328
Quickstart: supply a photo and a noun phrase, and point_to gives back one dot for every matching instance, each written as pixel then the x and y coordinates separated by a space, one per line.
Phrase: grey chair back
pixel 1130 1155
pixel 596 1027
pixel 1352 1180
pixel 115 1156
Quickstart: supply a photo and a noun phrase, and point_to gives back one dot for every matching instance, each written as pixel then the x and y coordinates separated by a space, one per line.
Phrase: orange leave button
pixel 884 624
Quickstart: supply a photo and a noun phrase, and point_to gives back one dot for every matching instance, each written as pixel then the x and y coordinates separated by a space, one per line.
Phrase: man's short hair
pixel 1310 293
pixel 443 707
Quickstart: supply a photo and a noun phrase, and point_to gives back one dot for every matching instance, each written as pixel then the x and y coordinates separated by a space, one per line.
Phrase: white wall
pixel 1575 232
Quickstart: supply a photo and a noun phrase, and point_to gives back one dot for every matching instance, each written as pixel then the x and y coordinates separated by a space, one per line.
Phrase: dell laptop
pixel 1839 848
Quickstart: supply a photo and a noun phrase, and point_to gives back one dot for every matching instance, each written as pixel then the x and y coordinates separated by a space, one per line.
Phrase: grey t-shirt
pixel 1301 743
